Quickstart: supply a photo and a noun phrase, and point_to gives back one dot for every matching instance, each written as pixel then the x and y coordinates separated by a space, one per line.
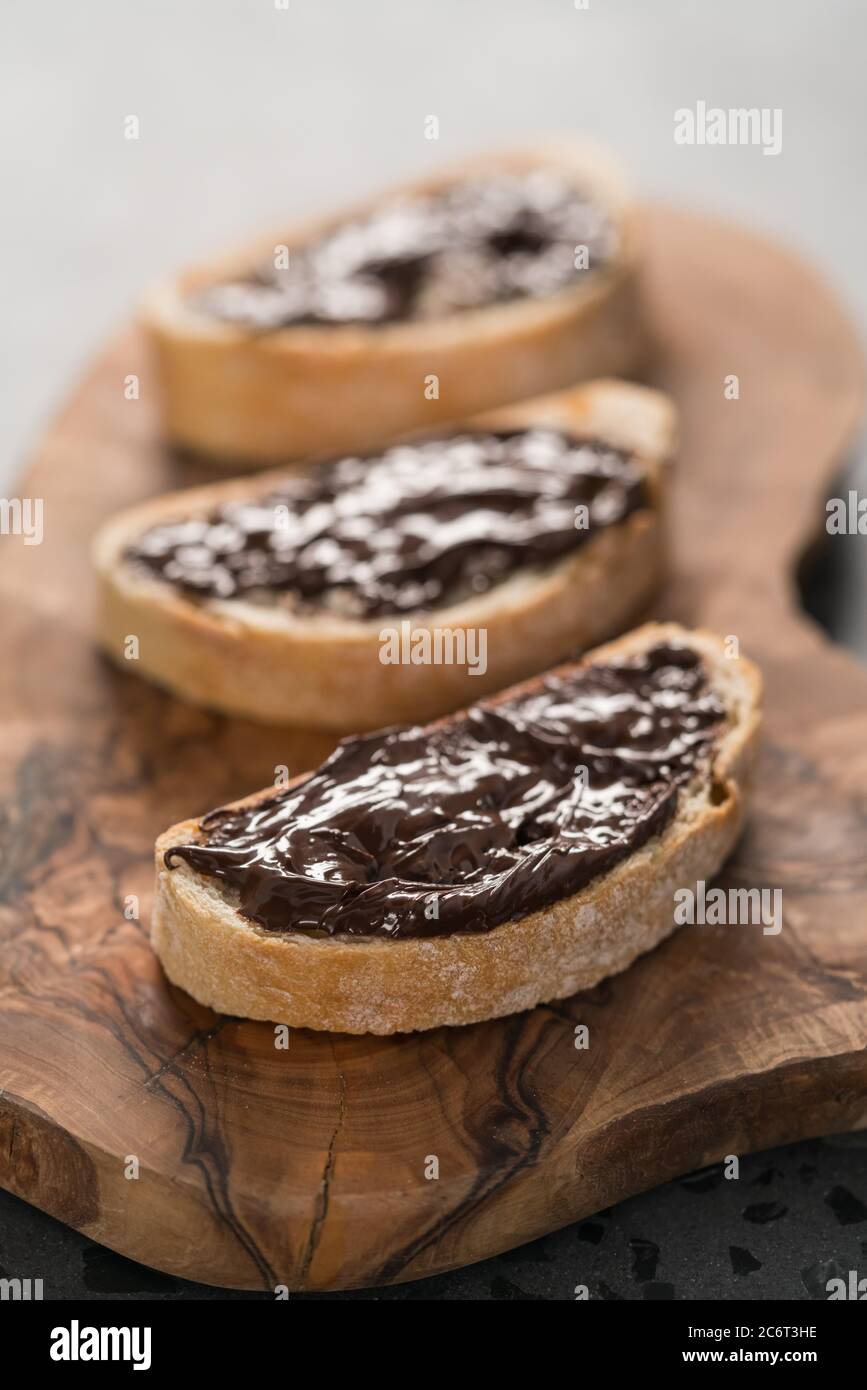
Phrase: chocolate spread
pixel 411 529
pixel 485 818
pixel 472 243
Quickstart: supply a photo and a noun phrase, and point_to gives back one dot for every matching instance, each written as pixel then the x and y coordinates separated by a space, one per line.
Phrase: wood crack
pixel 192 1044
pixel 320 1210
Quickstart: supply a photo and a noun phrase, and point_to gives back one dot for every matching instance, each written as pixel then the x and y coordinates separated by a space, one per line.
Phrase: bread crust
pixel 369 985
pixel 320 672
pixel 248 401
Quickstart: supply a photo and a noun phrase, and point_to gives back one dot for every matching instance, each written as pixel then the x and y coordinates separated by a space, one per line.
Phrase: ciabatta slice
pixel 250 399
pixel 374 985
pixel 269 664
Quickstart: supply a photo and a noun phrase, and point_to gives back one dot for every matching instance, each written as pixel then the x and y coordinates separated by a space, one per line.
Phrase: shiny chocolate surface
pixel 485 818
pixel 412 529
pixel 423 256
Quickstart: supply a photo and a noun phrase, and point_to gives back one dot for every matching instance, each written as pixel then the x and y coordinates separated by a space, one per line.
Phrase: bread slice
pixel 252 400
pixel 370 985
pixel 272 665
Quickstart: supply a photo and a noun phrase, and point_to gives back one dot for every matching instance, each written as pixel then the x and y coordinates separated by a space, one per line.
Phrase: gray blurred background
pixel 250 113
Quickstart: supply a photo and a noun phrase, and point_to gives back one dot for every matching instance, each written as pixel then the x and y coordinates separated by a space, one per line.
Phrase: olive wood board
pixel 309 1166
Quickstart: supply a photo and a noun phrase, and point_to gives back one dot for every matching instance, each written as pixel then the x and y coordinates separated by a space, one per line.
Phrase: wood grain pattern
pixel 306 1166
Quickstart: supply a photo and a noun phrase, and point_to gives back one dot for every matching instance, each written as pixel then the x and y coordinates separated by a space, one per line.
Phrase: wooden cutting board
pixel 307 1166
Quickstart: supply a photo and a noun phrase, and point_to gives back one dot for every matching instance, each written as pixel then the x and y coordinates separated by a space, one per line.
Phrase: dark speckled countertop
pixel 794 1218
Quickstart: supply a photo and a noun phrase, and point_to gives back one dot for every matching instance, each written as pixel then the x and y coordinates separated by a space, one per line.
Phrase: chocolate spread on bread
pixel 414 528
pixel 423 256
pixel 481 819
